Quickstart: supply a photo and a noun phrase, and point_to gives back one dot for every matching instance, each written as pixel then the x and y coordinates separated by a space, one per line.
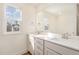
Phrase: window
pixel 13 18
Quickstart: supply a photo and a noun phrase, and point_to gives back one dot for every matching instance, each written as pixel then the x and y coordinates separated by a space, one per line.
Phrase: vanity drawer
pixel 38 40
pixel 61 49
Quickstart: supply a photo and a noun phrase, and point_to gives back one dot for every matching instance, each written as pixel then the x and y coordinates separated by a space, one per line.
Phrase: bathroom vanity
pixel 55 46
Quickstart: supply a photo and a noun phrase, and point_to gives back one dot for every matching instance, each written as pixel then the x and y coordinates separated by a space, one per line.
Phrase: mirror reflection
pixel 58 18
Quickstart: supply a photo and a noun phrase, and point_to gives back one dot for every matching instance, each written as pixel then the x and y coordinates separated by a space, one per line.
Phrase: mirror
pixel 60 18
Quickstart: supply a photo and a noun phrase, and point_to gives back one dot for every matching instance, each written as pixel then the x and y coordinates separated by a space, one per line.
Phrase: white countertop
pixel 71 43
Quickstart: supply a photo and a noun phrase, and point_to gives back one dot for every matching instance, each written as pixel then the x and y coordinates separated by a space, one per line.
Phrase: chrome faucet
pixel 66 35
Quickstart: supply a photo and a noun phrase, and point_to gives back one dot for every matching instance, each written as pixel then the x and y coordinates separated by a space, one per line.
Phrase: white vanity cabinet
pixel 38 44
pixel 58 49
pixel 46 47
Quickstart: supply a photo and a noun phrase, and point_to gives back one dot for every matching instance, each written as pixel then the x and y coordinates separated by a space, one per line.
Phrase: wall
pixel 29 22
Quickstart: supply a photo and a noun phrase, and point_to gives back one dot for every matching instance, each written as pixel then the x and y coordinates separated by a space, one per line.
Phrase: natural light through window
pixel 13 17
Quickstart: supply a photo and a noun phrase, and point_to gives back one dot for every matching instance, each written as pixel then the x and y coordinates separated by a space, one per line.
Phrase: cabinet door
pixel 38 46
pixel 38 50
pixel 50 52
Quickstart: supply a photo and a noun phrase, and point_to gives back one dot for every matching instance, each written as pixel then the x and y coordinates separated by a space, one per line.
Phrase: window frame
pixel 5 20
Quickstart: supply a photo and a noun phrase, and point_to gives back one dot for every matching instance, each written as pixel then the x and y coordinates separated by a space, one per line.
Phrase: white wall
pixel 29 22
